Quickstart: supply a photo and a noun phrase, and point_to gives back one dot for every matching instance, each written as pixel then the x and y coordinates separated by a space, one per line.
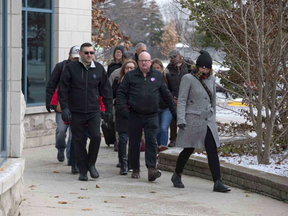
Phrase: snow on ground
pixel 249 162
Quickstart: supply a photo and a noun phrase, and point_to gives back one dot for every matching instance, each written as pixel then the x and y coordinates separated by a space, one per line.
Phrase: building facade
pixel 35 35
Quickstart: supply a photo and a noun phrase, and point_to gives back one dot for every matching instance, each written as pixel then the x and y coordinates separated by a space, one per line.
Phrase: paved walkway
pixel 48 182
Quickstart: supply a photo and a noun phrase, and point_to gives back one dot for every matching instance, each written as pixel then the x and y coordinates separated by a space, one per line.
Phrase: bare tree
pixel 105 33
pixel 254 35
pixel 170 38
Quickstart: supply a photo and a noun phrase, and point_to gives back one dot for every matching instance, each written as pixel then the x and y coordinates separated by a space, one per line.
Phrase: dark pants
pixel 78 126
pixel 173 131
pixel 213 159
pixel 122 149
pixel 150 126
pixel 72 158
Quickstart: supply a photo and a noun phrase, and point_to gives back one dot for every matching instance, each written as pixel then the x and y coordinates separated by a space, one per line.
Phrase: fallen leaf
pixel 2 169
pixel 105 201
pixel 87 209
pixel 62 202
pixel 32 186
pixel 123 197
pixel 83 197
pixel 55 171
pixel 97 186
pixel 152 192
pixel 56 196
pixel 247 195
pixel 73 193
pixel 83 189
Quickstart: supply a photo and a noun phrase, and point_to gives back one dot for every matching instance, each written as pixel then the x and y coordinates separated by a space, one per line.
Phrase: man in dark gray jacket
pixel 138 100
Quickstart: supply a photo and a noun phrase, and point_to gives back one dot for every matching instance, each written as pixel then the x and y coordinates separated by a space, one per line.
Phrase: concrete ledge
pixel 11 186
pixel 237 176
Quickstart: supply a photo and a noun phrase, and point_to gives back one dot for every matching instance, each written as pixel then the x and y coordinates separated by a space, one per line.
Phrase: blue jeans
pixel 61 131
pixel 164 119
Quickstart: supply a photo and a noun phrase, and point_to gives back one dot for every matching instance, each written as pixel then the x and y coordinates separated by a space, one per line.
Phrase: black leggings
pixel 212 155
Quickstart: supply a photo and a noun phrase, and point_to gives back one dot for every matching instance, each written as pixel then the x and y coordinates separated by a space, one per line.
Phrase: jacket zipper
pixel 86 91
pixel 145 91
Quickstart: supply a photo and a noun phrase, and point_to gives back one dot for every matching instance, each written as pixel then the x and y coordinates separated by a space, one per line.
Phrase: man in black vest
pixel 80 86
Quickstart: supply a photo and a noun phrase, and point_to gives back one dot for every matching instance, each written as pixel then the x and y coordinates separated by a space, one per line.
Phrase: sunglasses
pixel 91 53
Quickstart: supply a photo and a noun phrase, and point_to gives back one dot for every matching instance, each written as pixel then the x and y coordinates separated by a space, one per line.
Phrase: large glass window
pixel 39 4
pixel 3 79
pixel 36 51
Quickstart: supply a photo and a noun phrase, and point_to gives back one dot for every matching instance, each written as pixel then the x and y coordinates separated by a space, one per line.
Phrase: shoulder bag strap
pixel 204 86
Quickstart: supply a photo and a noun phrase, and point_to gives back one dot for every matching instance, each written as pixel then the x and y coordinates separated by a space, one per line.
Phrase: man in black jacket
pixel 140 90
pixel 177 68
pixel 51 104
pixel 80 86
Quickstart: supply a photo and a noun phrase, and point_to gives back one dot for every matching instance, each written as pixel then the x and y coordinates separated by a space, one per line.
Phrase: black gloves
pixel 126 115
pixel 182 126
pixel 108 117
pixel 174 115
pixel 66 115
pixel 48 107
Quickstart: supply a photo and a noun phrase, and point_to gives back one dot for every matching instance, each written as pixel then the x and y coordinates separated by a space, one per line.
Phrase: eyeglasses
pixel 129 68
pixel 91 53
pixel 144 61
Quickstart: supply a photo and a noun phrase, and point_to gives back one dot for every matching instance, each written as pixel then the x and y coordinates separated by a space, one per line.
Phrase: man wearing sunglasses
pixel 176 69
pixel 80 86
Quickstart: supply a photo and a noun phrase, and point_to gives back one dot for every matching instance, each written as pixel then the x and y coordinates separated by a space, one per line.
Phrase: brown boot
pixel 153 174
pixel 135 174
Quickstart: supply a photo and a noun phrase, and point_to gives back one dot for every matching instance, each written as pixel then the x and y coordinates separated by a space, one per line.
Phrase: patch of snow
pixel 249 162
pixel 252 163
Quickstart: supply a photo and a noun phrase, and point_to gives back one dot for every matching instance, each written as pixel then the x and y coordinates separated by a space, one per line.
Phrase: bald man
pixel 138 100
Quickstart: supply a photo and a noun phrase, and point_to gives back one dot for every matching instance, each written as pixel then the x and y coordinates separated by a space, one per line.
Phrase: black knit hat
pixel 204 60
pixel 121 48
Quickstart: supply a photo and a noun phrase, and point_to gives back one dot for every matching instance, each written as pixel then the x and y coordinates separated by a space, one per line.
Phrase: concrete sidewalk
pixel 47 182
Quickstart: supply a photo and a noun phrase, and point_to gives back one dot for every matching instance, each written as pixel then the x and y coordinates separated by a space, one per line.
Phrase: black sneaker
pixel 74 169
pixel 60 156
pixel 93 172
pixel 83 177
pixel 220 187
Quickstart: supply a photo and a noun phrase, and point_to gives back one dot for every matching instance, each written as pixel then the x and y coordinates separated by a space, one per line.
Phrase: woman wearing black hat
pixel 117 60
pixel 196 119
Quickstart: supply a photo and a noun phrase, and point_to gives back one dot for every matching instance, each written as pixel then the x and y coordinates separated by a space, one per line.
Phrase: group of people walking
pixel 148 98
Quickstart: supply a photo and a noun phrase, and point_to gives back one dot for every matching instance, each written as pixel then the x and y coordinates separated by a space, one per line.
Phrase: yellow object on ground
pixel 236 103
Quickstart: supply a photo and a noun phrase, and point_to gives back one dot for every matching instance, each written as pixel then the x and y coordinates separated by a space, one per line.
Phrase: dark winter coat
pixel 121 123
pixel 54 81
pixel 174 77
pixel 80 88
pixel 142 94
pixel 112 67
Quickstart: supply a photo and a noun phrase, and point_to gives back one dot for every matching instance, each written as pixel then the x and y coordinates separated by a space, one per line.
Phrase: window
pixel 36 49
pixel 3 79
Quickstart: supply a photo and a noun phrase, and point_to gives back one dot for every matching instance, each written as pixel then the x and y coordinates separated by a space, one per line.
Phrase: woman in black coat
pixel 121 123
pixel 117 60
